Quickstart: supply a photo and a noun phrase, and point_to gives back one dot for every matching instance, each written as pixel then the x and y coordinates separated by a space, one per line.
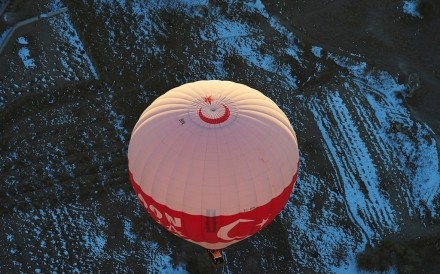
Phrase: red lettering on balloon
pixel 229 228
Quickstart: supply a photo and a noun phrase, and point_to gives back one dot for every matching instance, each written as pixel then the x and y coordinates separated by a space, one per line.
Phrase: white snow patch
pixel 164 265
pixel 324 236
pixel 410 7
pixel 194 2
pixel 357 68
pixel 259 7
pixel 25 56
pixel 128 231
pixel 56 5
pixel 414 144
pixel 427 176
pixel 238 38
pixel 118 123
pixel 357 172
pixel 317 51
pixel 22 40
pixel 158 260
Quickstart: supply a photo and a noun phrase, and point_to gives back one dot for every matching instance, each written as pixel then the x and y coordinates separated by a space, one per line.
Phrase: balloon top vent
pixel 211 111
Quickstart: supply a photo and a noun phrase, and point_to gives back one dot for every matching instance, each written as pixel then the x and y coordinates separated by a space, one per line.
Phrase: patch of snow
pixel 383 95
pixel 426 183
pixel 324 236
pixel 28 61
pixel 94 234
pixel 259 7
pixel 55 5
pixel 22 40
pixel 317 51
pixel 118 123
pixel 357 68
pixel 419 161
pixel 239 39
pixel 163 265
pixel 190 3
pixel 128 231
pixel 9 237
pixel 425 176
pixel 410 7
pixel 229 29
pixel 357 172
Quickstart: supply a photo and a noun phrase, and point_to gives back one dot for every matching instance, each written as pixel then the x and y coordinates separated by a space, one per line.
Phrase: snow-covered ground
pixel 366 164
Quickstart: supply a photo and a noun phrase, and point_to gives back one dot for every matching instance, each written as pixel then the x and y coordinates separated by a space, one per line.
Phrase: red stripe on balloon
pixel 205 229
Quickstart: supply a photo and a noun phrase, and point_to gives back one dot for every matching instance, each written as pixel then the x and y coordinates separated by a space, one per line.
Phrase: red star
pixel 208 99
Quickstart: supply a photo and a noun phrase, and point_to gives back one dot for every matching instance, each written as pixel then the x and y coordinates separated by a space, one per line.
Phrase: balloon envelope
pixel 213 161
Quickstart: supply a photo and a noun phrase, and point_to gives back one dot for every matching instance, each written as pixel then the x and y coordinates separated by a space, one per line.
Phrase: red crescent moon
pixel 218 120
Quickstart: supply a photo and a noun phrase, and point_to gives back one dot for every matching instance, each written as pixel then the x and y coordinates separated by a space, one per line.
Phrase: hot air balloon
pixel 213 162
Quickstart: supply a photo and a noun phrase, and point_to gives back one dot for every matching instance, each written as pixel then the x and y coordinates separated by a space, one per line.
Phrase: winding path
pixel 28 21
pixel 3 6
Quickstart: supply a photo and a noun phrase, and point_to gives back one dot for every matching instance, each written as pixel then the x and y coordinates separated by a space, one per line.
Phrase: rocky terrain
pixel 358 81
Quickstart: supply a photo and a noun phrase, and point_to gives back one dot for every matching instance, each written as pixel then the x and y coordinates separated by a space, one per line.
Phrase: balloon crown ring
pixel 209 111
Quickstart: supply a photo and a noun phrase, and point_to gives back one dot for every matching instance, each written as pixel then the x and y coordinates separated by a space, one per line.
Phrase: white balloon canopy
pixel 213 161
